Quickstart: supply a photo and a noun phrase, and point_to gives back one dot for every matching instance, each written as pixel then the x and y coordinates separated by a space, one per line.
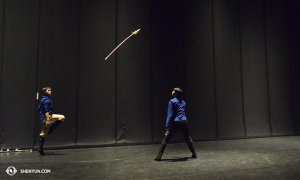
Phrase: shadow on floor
pixel 175 160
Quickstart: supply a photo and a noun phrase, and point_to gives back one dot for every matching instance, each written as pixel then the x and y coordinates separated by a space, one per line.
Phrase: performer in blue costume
pixel 176 121
pixel 49 120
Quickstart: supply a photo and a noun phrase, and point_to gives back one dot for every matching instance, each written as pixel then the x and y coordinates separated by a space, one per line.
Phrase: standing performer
pixel 176 120
pixel 49 120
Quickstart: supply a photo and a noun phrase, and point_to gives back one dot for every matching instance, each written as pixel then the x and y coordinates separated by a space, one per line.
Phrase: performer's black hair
pixel 45 88
pixel 178 92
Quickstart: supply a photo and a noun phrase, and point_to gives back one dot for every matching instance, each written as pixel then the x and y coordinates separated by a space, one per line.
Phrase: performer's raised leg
pixel 58 120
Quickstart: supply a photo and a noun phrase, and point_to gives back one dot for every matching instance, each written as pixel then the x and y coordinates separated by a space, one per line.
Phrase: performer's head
pixel 46 91
pixel 177 92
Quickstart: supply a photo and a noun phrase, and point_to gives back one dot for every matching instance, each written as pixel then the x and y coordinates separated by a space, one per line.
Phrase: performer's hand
pixel 166 133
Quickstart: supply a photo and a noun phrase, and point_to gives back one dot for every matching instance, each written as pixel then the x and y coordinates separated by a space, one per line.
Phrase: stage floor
pixel 259 158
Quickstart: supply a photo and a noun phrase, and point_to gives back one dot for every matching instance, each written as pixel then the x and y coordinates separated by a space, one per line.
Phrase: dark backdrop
pixel 254 68
pixel 97 78
pixel 19 72
pixel 237 62
pixel 58 61
pixel 1 64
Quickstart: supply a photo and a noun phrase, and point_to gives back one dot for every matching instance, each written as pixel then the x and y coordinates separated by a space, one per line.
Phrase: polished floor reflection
pixel 259 158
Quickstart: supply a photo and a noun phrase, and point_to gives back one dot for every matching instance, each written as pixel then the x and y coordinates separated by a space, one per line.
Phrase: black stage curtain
pixel 58 64
pixel 1 65
pixel 97 85
pixel 167 60
pixel 19 72
pixel 254 68
pixel 237 62
pixel 199 69
pixel 133 110
pixel 229 101
pixel 279 70
pixel 294 45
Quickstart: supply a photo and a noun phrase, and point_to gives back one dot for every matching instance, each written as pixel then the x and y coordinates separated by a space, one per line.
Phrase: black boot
pixel 191 147
pixel 41 148
pixel 57 123
pixel 161 150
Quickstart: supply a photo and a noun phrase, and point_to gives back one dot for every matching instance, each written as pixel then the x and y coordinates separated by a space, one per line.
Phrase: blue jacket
pixel 176 111
pixel 45 106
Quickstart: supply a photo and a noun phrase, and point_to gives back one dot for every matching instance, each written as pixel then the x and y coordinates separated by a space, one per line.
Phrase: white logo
pixel 11 170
